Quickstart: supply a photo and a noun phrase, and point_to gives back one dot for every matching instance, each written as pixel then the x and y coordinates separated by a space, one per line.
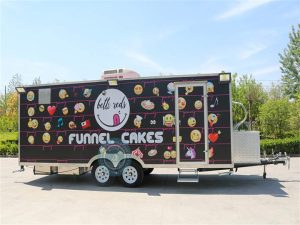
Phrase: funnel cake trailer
pixel 125 127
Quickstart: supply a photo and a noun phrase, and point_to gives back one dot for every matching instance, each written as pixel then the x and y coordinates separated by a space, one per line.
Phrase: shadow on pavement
pixel 157 184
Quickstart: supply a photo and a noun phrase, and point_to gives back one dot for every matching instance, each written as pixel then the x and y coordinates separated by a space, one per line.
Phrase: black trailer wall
pixel 66 130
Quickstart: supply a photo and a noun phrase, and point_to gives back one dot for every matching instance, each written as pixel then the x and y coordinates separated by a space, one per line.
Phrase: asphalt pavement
pixel 242 198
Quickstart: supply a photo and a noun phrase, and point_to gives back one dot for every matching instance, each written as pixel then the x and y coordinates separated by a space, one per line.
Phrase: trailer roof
pixel 139 78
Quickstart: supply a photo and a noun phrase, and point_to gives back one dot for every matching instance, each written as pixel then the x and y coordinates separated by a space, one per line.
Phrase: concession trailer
pixel 125 126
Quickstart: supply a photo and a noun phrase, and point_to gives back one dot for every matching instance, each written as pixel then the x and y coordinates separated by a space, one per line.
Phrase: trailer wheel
pixel 102 174
pixel 132 175
pixel 147 171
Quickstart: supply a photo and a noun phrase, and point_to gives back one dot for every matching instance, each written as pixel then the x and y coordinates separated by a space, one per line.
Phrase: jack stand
pixel 264 174
pixel 20 170
pixel 230 172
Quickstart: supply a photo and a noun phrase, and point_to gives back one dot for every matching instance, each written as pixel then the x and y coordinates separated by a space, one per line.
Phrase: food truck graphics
pixel 127 127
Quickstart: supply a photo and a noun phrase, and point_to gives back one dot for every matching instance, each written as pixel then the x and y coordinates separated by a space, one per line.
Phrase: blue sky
pixel 77 40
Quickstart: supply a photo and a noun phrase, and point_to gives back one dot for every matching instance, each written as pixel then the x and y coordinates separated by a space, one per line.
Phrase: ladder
pixel 187 175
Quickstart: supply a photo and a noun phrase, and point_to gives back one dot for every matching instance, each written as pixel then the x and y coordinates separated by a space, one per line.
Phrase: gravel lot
pixel 243 198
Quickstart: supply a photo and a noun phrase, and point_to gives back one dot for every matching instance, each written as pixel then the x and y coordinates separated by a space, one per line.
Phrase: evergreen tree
pixel 290 65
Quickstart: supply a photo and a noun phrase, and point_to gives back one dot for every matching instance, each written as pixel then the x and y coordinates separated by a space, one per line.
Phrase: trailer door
pixel 191 122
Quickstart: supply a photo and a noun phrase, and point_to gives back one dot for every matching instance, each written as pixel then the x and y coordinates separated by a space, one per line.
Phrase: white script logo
pixel 111 109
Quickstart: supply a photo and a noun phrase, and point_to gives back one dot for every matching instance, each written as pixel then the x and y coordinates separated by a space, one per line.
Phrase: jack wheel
pixel 265 175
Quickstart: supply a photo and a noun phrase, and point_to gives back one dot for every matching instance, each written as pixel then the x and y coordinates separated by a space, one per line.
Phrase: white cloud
pixel 251 50
pixel 242 7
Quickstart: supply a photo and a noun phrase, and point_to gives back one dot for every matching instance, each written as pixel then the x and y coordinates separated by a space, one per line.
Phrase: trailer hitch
pixel 275 159
pixel 22 169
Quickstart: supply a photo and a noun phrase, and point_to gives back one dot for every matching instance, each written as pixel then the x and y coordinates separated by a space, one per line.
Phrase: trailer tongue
pixel 126 126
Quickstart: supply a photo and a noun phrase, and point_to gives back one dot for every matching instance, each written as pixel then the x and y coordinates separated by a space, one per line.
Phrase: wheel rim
pixel 130 174
pixel 102 174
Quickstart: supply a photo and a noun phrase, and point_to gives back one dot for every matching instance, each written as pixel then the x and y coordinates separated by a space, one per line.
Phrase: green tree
pixel 252 95
pixel 290 65
pixel 295 116
pixel 9 105
pixel 274 117
pixel 275 91
pixel 36 81
pixel 14 82
pixel 238 113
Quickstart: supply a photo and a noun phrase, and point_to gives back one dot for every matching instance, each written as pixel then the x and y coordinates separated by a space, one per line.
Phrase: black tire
pixel 147 171
pixel 132 175
pixel 100 168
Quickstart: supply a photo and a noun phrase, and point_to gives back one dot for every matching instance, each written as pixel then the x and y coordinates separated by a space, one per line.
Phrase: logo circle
pixel 112 109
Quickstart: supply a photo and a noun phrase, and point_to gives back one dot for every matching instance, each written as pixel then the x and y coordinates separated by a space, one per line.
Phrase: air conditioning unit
pixel 119 74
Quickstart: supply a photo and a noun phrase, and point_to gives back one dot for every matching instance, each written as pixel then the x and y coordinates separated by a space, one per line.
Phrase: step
pixel 187 175
pixel 187 180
